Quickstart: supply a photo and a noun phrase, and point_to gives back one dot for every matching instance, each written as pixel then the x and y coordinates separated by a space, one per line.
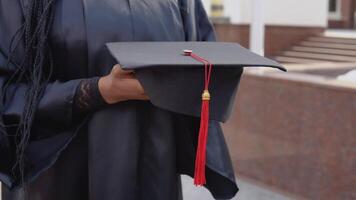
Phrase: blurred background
pixel 292 135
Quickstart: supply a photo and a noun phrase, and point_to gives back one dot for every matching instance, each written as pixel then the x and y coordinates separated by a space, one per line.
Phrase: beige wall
pixel 279 12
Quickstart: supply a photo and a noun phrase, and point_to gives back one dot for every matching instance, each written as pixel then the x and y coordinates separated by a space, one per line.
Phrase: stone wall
pixel 295 134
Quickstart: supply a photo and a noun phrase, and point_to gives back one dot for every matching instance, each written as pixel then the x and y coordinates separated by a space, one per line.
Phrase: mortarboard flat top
pixel 175 82
pixel 136 55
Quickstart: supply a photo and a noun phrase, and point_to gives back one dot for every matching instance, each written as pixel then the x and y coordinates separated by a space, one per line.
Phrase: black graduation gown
pixel 130 150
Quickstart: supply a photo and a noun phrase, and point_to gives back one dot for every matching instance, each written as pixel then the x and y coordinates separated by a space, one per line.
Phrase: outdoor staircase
pixel 321 49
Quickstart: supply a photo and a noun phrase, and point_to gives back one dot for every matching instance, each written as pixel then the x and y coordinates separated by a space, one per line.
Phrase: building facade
pixel 342 14
pixel 287 21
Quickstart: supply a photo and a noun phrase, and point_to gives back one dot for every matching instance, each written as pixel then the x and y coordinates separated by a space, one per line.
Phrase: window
pixel 335 9
pixel 332 6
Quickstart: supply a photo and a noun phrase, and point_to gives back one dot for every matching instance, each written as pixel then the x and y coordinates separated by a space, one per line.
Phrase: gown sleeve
pixel 87 98
pixel 222 182
pixel 205 29
pixel 220 174
pixel 53 126
pixel 197 26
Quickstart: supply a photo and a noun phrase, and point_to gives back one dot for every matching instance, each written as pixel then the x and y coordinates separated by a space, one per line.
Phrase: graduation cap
pixel 192 78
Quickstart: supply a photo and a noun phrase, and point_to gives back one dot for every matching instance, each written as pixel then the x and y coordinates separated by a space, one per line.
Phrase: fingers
pixel 117 71
pixel 137 89
pixel 143 97
pixel 135 86
pixel 126 83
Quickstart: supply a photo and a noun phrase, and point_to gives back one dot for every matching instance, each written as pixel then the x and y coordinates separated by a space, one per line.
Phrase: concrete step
pixel 340 33
pixel 320 56
pixel 324 50
pixel 332 40
pixel 286 59
pixel 328 45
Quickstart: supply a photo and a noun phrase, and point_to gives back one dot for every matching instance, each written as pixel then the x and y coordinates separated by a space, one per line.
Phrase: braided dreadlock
pixel 34 70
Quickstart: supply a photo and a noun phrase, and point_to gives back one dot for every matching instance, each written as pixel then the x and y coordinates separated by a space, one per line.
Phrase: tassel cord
pixel 200 162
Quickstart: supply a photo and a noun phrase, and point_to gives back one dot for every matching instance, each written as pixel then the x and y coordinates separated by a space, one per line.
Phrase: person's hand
pixel 121 85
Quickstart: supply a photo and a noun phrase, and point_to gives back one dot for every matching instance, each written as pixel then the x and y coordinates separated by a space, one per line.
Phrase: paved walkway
pixel 247 191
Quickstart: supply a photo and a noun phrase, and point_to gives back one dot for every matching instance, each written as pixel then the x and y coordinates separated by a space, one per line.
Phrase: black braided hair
pixel 34 70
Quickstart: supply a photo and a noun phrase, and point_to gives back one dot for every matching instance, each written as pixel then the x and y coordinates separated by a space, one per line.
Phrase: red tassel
pixel 199 176
pixel 200 160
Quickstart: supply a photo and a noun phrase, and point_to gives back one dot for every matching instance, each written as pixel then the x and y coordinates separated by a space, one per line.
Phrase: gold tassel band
pixel 206 95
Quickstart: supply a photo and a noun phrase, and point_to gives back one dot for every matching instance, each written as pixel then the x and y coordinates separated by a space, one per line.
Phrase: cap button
pixel 187 52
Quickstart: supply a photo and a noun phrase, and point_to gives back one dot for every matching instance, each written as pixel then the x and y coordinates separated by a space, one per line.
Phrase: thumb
pixel 117 71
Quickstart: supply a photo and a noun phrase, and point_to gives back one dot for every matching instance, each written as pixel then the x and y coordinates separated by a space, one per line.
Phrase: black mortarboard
pixel 174 75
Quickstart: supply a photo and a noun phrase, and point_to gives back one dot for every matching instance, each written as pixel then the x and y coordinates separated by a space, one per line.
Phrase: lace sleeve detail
pixel 87 97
